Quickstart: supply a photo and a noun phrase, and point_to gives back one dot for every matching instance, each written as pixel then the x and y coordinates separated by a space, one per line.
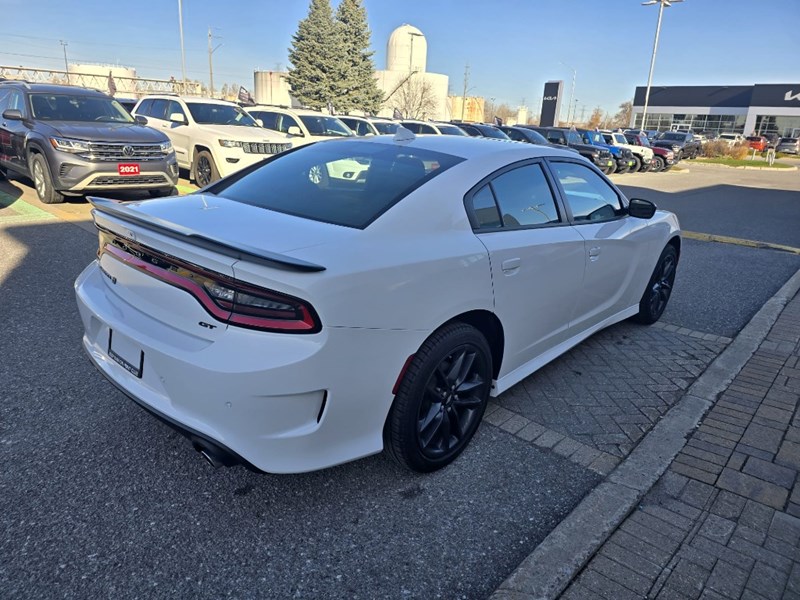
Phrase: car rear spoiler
pixel 120 211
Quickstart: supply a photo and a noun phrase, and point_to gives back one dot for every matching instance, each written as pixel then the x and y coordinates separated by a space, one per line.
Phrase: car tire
pixel 637 164
pixel 204 169
pixel 431 421
pixel 621 170
pixel 657 165
pixel 43 180
pixel 163 192
pixel 659 288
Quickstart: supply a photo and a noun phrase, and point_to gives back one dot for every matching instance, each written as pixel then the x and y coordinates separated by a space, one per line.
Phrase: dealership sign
pixel 551 103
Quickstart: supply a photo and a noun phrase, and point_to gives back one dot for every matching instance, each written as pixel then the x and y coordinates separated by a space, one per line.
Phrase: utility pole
pixel 583 113
pixel 183 50
pixel 66 64
pixel 464 96
pixel 210 64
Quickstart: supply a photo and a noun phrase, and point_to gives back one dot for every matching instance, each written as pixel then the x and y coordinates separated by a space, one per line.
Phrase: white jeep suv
pixel 212 138
pixel 641 154
pixel 302 125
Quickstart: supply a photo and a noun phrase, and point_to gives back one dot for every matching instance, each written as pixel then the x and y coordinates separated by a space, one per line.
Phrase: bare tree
pixel 596 118
pixel 623 117
pixel 414 99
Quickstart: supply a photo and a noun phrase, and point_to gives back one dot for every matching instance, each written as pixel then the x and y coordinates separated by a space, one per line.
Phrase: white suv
pixel 212 138
pixel 641 154
pixel 302 125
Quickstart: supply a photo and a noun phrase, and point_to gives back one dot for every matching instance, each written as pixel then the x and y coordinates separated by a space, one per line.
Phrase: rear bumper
pixel 279 402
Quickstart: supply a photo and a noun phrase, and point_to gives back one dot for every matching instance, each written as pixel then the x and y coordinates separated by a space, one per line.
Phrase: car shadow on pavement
pixel 101 499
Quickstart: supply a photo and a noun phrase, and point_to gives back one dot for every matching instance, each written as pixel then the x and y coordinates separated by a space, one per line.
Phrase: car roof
pixel 297 111
pixel 465 146
pixel 188 99
pixel 51 88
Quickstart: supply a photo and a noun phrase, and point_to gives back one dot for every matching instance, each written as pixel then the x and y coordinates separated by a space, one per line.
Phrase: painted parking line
pixel 21 210
pixel 724 239
pixel 186 189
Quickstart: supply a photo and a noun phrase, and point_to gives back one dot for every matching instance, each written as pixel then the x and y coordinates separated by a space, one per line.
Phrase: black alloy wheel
pixel 205 171
pixel 659 289
pixel 441 400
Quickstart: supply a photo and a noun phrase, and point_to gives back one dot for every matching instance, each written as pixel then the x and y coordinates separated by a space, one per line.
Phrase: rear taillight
pixel 224 298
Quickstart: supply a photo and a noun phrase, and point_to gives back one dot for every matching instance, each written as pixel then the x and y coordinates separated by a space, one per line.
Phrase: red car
pixel 758 142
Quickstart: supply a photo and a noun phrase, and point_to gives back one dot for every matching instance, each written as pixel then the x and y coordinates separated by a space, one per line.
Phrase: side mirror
pixel 178 118
pixel 140 120
pixel 641 209
pixel 13 114
pixel 260 122
pixel 294 130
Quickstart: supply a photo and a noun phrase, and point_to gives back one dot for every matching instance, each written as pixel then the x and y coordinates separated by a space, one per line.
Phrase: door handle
pixel 510 265
pixel 594 253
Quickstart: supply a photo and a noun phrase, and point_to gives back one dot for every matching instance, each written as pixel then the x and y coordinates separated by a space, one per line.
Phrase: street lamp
pixel 572 91
pixel 183 52
pixel 661 5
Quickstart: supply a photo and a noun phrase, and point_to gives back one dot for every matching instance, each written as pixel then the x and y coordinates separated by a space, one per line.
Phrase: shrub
pixel 739 151
pixel 715 149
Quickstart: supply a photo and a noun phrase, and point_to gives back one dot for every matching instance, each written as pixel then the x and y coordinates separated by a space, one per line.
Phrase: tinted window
pixel 16 101
pixel 426 129
pixel 159 108
pixel 516 135
pixel 473 131
pixel 345 183
pixel 491 132
pixel 385 127
pixel 589 197
pixel 270 119
pixel 524 197
pixel 412 127
pixel 144 107
pixel 173 108
pixel 3 99
pixel 451 130
pixel 484 209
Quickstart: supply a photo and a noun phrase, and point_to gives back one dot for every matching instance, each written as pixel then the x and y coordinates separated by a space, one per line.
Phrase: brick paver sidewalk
pixel 724 520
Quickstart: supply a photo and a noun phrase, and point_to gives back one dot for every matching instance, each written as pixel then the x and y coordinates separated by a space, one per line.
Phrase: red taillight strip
pixel 307 323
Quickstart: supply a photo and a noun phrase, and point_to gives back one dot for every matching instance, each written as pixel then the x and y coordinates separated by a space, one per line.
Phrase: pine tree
pixel 317 57
pixel 357 88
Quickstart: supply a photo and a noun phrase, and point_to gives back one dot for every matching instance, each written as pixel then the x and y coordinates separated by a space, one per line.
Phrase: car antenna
pixel 404 135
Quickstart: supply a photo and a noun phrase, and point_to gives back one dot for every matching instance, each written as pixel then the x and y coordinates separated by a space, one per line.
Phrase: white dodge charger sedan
pixel 364 294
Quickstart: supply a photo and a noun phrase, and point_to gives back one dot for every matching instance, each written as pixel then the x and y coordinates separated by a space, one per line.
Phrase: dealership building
pixel 760 108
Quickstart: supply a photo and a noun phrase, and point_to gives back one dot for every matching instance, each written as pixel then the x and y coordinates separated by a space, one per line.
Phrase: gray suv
pixel 73 141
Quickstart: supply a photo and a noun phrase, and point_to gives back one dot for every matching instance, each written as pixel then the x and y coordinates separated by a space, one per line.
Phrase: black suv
pixel 70 141
pixel 601 158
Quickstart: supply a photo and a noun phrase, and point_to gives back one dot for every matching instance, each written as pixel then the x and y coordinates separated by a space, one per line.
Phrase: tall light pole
pixel 183 51
pixel 210 64
pixel 661 5
pixel 411 51
pixel 572 92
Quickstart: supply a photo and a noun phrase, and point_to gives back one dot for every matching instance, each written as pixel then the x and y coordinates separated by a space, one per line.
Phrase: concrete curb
pixel 548 570
pixel 746 168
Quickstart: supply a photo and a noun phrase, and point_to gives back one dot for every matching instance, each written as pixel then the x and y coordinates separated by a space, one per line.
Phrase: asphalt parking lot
pixel 102 500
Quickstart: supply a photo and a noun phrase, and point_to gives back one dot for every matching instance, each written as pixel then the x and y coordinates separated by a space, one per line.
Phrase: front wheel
pixel 637 164
pixel 658 164
pixel 441 399
pixel 659 289
pixel 205 171
pixel 43 181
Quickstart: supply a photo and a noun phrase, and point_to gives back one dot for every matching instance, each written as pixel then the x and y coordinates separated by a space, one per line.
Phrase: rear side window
pixel 525 197
pixel 588 195
pixel 144 107
pixel 484 209
pixel 340 182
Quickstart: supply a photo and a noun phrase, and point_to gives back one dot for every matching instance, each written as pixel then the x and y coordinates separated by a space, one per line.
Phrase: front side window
pixel 426 129
pixel 620 139
pixel 16 102
pixel 589 197
pixel 144 107
pixel 451 130
pixel 207 113
pixel 346 183
pixel 71 107
pixel 159 108
pixel 175 108
pixel 573 137
pixel 386 128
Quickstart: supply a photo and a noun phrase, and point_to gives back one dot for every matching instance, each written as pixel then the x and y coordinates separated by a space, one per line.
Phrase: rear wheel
pixel 658 164
pixel 205 171
pixel 659 289
pixel 441 399
pixel 43 181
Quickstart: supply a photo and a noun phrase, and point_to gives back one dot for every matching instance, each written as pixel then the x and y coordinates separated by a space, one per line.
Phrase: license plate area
pixel 126 169
pixel 126 353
